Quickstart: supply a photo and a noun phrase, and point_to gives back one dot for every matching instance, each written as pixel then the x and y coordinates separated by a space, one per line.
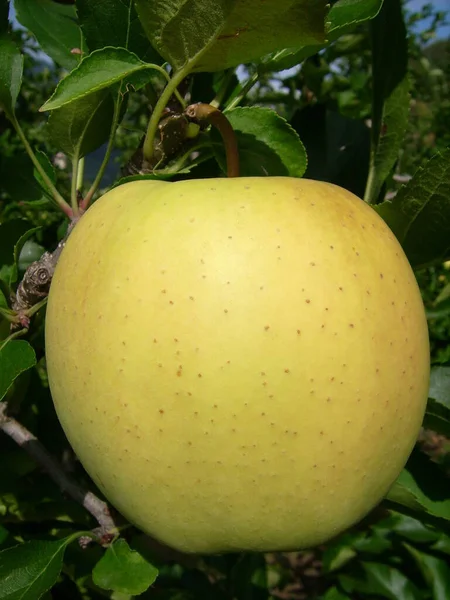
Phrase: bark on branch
pixel 26 440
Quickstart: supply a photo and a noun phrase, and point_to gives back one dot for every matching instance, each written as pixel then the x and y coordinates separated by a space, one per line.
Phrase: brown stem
pixel 26 440
pixel 206 113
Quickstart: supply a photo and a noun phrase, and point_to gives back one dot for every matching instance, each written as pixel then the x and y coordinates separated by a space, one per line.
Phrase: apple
pixel 240 364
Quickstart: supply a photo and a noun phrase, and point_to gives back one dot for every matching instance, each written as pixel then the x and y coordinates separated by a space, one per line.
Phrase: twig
pixel 26 440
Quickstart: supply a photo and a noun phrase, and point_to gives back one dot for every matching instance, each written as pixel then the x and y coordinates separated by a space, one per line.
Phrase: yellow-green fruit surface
pixel 240 364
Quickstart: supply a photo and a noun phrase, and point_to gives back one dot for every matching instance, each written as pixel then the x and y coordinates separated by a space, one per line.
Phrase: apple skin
pixel 240 364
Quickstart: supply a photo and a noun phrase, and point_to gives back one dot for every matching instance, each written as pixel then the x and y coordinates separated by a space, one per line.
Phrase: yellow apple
pixel 240 364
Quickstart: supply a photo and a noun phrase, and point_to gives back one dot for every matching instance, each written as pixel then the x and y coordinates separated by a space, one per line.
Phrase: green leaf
pixel 114 23
pixel 268 145
pixel 437 416
pixel 48 168
pixel 421 490
pixel 419 215
pixel 444 294
pixel 4 11
pixel 334 594
pixel 414 530
pixel 344 15
pixel 55 28
pixel 99 70
pixel 3 534
pixel 10 233
pixel 16 356
pixel 440 385
pixel 336 556
pixel 29 570
pixel 435 571
pixel 124 570
pixel 11 68
pixel 82 126
pixel 390 103
pixel 248 578
pixel 17 175
pixel 381 580
pixel 17 250
pixel 213 35
pixel 30 252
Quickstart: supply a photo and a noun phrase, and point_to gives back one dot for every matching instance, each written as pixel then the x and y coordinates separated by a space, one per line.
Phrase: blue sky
pixel 441 5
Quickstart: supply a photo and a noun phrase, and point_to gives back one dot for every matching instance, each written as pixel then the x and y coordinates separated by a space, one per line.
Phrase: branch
pixel 26 440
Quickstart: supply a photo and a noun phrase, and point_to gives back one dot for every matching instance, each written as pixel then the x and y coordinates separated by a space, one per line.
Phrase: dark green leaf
pixel 3 534
pixel 3 301
pixel 381 580
pixel 390 104
pixel 337 147
pixel 415 531
pixel 124 570
pixel 373 542
pixel 248 578
pixel 344 15
pixel 10 233
pixel 419 215
pixel 11 68
pixel 337 556
pixel 440 311
pixel 99 70
pixel 82 126
pixel 16 356
pixel 268 145
pixel 442 544
pixel 17 250
pixel 422 489
pixel 435 571
pixel 55 28
pixel 28 570
pixel 211 35
pixel 334 594
pixel 4 10
pixel 114 23
pixel 444 294
pixel 437 416
pixel 18 179
pixel 30 252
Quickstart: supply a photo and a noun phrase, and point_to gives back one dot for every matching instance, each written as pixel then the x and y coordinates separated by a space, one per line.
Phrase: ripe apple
pixel 240 364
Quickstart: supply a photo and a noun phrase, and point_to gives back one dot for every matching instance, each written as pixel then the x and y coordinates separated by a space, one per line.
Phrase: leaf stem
pixel 80 176
pixel 63 205
pixel 218 99
pixel 9 315
pixel 11 337
pixel 74 194
pixel 179 163
pixel 253 80
pixel 170 89
pixel 84 204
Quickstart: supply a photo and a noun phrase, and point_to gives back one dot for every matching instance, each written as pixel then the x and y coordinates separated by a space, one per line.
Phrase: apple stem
pixel 213 116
